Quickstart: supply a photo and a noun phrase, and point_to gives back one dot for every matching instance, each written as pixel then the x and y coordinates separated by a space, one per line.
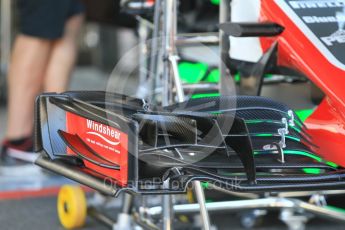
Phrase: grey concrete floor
pixel 41 213
pixel 33 214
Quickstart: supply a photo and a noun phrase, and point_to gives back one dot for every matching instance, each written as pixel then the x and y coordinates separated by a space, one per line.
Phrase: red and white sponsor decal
pixel 107 141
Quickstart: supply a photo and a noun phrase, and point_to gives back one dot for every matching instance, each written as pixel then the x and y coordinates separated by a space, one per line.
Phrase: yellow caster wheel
pixel 71 207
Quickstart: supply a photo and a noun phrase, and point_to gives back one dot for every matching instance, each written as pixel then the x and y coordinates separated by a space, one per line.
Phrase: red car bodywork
pixel 297 50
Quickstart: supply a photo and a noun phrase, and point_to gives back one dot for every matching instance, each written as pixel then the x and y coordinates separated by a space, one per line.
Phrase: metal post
pixel 178 85
pixel 5 44
pixel 167 212
pixel 171 76
pixel 5 39
pixel 166 51
pixel 167 209
pixel 264 203
pixel 124 218
pixel 143 49
pixel 166 97
pixel 200 196
pixel 66 171
pixel 173 57
pixel 100 217
pixel 224 16
pixel 127 203
pixel 153 76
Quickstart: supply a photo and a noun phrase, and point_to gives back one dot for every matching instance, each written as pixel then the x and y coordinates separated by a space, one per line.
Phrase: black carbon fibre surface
pixel 183 136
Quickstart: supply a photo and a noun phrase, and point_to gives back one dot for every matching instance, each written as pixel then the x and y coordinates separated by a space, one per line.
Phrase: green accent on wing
pixel 204 95
pixel 306 154
pixel 215 2
pixel 271 135
pixel 253 121
pixel 301 153
pixel 237 77
pixel 335 209
pixel 204 185
pixel 304 114
pixel 192 72
pixel 213 76
pixel 332 164
pixel 295 128
pixel 263 135
pixel 293 138
pixel 312 170
pixel 271 121
pixel 296 152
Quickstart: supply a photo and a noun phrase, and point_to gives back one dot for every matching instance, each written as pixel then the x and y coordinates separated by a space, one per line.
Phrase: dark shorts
pixel 46 18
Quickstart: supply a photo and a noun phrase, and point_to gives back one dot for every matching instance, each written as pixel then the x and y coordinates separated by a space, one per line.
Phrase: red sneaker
pixel 17 156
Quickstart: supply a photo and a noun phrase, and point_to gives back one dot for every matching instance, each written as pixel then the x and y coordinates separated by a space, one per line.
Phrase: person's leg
pixel 63 56
pixel 28 65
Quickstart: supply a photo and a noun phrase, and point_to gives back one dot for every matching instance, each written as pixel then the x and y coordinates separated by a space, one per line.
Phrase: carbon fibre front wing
pixel 113 143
